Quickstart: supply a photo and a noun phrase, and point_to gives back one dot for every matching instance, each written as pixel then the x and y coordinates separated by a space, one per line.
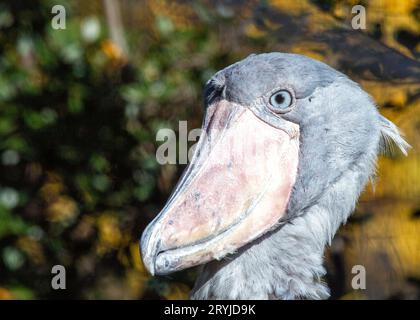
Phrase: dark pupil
pixel 279 98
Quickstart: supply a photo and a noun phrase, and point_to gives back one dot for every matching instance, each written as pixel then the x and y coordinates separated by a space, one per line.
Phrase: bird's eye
pixel 280 101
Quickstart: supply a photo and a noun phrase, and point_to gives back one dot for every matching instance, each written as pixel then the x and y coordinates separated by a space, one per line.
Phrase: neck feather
pixel 286 264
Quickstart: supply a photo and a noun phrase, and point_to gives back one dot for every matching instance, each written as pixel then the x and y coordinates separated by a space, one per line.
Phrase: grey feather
pixel 391 138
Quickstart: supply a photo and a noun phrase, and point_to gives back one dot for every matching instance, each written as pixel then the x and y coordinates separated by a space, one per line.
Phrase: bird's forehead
pixel 259 74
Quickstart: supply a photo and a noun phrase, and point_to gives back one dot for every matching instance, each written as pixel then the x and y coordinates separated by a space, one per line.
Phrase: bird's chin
pixel 191 255
pixel 216 246
pixel 235 189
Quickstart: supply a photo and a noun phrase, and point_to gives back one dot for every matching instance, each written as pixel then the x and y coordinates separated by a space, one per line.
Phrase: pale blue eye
pixel 281 100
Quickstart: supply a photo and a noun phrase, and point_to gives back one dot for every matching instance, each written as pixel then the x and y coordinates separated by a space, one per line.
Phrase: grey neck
pixel 288 262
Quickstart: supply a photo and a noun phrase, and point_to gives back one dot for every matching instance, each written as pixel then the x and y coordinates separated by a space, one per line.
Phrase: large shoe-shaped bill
pixel 235 189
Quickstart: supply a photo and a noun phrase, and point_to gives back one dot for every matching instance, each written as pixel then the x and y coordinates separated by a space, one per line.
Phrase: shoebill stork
pixel 287 146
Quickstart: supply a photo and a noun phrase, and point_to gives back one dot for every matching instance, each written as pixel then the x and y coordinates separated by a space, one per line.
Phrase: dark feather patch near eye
pixel 213 91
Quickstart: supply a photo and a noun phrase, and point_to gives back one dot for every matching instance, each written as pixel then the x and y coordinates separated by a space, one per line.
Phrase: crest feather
pixel 391 138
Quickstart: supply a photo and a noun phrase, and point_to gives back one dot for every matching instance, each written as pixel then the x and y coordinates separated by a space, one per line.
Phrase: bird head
pixel 279 129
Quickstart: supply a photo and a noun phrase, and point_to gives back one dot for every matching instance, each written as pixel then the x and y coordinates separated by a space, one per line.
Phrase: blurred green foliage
pixel 78 175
